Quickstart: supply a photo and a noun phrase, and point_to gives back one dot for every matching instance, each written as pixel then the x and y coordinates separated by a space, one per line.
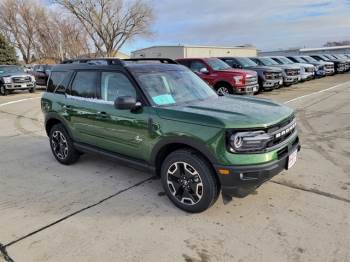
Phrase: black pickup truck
pixel 268 77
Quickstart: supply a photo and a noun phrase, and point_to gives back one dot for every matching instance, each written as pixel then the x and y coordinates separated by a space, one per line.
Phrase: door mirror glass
pixel 126 103
pixel 204 70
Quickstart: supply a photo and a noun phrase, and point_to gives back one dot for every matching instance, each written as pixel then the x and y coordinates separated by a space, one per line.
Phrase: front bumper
pixel 19 86
pixel 248 178
pixel 291 79
pixel 330 71
pixel 307 76
pixel 271 84
pixel 250 89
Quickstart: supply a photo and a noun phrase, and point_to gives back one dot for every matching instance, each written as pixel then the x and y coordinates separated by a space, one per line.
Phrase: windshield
pixel 217 64
pixel 284 60
pixel 324 57
pixel 309 59
pixel 267 61
pixel 246 62
pixel 299 59
pixel 174 87
pixel 329 56
pixel 10 70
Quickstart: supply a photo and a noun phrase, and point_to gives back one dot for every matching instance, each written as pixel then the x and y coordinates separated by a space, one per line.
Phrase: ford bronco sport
pixel 164 118
pixel 221 76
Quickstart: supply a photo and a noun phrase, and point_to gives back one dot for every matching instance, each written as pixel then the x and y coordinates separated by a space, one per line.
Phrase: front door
pixel 122 131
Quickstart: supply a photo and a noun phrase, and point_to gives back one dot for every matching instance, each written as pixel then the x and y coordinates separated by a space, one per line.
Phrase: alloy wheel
pixel 59 145
pixel 185 183
pixel 222 90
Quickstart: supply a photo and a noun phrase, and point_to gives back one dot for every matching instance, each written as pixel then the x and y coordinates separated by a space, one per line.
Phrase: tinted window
pixel 58 82
pixel 84 84
pixel 196 66
pixel 217 64
pixel 114 85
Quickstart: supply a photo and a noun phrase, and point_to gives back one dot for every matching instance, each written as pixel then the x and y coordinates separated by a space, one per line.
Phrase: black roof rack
pixel 161 60
pixel 94 61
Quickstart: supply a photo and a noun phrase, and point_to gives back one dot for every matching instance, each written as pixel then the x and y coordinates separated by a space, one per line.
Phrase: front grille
pixel 251 80
pixel 281 132
pixel 20 80
pixel 293 72
pixel 329 66
pixel 273 75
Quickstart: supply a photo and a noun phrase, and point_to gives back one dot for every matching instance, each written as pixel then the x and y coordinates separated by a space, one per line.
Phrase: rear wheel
pixel 189 181
pixel 62 145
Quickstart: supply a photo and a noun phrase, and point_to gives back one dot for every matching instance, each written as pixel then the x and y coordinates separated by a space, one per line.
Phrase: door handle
pixel 102 114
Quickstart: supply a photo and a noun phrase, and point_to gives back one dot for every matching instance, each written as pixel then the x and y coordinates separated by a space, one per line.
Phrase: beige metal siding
pixel 218 51
pixel 172 52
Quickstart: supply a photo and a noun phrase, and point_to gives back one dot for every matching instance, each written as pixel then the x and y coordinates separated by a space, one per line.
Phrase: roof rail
pixel 94 61
pixel 161 60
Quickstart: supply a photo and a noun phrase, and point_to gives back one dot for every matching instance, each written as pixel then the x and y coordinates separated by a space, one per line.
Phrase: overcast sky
pixel 267 24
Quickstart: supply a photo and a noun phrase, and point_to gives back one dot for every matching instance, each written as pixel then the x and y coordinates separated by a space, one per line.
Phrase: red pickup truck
pixel 221 76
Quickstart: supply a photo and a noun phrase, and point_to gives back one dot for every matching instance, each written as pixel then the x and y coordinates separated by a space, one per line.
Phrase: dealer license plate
pixel 292 159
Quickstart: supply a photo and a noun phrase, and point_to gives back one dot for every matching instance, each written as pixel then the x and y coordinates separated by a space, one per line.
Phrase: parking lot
pixel 97 210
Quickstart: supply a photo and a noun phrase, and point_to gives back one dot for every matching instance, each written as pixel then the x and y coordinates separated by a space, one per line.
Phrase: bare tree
pixel 18 19
pixel 111 23
pixel 60 38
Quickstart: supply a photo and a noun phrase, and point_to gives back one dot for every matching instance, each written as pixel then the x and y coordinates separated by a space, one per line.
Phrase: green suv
pixel 160 116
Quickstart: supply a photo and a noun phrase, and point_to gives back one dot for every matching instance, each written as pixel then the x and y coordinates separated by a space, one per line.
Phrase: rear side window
pixel 58 82
pixel 84 84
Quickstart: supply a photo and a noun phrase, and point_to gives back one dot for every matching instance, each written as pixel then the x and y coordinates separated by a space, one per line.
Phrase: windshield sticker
pixel 164 99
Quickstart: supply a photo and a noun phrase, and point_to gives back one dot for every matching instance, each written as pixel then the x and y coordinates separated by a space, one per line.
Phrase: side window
pixel 115 84
pixel 58 82
pixel 84 84
pixel 196 66
pixel 230 62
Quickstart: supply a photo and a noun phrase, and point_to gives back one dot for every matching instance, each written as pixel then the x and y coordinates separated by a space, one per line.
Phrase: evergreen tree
pixel 7 52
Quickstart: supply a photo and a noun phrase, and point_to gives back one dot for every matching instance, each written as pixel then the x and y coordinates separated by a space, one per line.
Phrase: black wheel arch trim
pixel 186 141
pixel 54 116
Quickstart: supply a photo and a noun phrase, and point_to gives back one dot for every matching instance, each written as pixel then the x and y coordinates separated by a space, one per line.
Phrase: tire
pixel 3 91
pixel 32 90
pixel 189 181
pixel 224 89
pixel 62 145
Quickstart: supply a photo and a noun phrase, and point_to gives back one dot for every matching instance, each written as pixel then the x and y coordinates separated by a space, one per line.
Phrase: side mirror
pixel 126 103
pixel 204 71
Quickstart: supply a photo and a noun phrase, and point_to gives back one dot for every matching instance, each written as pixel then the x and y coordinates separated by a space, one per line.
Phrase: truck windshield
pixel 267 61
pixel 284 60
pixel 309 59
pixel 173 87
pixel 10 70
pixel 246 62
pixel 299 59
pixel 217 64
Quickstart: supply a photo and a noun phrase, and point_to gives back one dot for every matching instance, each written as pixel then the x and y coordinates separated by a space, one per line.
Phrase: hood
pixel 265 69
pixel 229 112
pixel 15 75
pixel 304 65
pixel 287 66
pixel 235 71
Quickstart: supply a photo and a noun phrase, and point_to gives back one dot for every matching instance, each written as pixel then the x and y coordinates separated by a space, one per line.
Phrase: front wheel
pixel 222 89
pixel 3 91
pixel 189 181
pixel 32 90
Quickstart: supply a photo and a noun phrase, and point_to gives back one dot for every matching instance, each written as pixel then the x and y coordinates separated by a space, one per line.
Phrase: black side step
pixel 127 161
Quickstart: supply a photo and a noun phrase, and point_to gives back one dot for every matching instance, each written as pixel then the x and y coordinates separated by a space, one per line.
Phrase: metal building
pixel 188 51
pixel 345 49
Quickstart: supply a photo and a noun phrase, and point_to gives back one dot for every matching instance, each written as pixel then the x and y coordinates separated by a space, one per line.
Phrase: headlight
pixel 7 80
pixel 268 75
pixel 249 141
pixel 238 80
pixel 32 78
